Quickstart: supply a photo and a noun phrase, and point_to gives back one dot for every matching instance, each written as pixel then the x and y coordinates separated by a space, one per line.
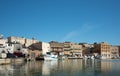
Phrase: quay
pixel 5 61
pixel 17 60
pixel 11 60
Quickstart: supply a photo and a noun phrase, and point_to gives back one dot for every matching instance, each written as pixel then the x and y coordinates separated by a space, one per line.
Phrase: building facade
pixel 13 39
pixel 106 50
pixel 35 50
pixel 77 50
pixel 3 41
pixel 114 52
pixel 39 49
pixel 29 42
pixel 45 47
pixel 87 49
pixel 22 40
pixel 67 48
pixel 103 49
pixel 73 49
pixel 57 48
pixel 5 46
pixel 119 50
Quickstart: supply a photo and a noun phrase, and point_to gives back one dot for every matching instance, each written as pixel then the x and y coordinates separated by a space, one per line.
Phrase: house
pixel 35 50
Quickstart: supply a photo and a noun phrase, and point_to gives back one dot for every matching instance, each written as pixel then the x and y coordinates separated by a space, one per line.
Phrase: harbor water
pixel 70 67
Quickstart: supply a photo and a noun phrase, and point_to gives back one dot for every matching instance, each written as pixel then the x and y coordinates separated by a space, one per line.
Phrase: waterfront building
pixel 5 46
pixel 12 47
pixel 106 50
pixel 73 49
pixel 45 47
pixel 77 50
pixel 35 50
pixel 17 47
pixel 97 48
pixel 103 49
pixel 114 52
pixel 67 48
pixel 87 49
pixel 57 48
pixel 119 50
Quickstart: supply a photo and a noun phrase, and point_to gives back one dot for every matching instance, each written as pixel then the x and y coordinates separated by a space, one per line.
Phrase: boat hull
pixel 50 58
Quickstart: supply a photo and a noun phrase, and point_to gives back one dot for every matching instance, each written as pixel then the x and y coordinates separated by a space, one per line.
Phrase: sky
pixel 62 20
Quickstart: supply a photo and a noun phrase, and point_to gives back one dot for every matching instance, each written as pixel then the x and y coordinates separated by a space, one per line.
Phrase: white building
pixel 9 47
pixel 3 41
pixel 12 45
pixel 45 47
pixel 5 47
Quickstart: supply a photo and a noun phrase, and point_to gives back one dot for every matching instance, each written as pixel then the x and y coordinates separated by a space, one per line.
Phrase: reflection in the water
pixel 76 67
pixel 91 68
pixel 110 67
pixel 48 66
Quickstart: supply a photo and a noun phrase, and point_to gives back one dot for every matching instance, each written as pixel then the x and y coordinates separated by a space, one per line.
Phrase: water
pixel 77 67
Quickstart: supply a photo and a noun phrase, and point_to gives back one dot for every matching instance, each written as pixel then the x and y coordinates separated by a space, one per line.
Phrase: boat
pixel 85 57
pixel 50 56
pixel 92 57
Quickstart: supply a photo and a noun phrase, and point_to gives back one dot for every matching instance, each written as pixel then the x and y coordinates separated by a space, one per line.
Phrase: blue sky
pixel 62 20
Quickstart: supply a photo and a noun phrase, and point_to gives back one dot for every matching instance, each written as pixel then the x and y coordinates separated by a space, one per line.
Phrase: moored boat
pixel 50 56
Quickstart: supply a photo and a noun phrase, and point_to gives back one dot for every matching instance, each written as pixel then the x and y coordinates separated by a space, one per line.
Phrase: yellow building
pixel 106 50
pixel 57 48
pixel 67 48
pixel 77 50
pixel 103 49
pixel 73 49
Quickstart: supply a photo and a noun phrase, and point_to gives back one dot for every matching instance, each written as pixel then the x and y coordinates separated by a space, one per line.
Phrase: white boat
pixel 92 57
pixel 85 57
pixel 50 57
